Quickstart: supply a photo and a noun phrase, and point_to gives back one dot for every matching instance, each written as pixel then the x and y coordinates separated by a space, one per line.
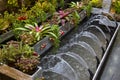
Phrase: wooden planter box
pixel 10 33
pixel 6 36
pixel 46 41
pixel 14 74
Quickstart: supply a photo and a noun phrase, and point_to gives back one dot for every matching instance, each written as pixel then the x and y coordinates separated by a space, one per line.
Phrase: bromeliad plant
pixel 19 56
pixel 35 14
pixel 62 17
pixel 59 18
pixel 68 15
pixel 71 16
pixel 30 34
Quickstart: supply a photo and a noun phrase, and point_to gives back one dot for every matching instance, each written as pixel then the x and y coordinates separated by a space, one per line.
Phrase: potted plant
pixel 63 16
pixel 69 17
pixel 33 34
pixel 72 15
pixel 19 56
pixel 30 34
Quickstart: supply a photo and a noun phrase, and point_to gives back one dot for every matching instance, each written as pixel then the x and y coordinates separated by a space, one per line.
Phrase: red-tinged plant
pixel 27 38
pixel 27 64
pixel 62 32
pixel 62 14
pixel 62 17
pixel 13 43
pixel 19 56
pixel 59 18
pixel 43 46
pixel 35 54
pixel 22 18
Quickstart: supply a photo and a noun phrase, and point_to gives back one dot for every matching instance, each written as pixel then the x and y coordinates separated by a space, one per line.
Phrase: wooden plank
pixel 14 73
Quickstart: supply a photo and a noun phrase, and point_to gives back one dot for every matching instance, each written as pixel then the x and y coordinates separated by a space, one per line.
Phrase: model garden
pixel 28 28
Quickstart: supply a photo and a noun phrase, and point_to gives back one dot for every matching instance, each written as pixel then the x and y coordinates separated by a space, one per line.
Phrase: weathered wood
pixel 6 36
pixel 14 73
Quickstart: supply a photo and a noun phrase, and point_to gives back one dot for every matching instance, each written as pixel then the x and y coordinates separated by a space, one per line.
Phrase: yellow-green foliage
pixel 96 3
pixel 47 6
pixel 11 52
pixel 5 20
pixel 20 3
pixel 116 6
pixel 13 3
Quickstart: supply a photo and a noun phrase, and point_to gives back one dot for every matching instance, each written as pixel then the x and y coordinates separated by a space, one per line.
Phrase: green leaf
pixel 29 26
pixel 22 29
pixel 35 24
pixel 77 15
pixel 46 28
pixel 37 36
pixel 53 35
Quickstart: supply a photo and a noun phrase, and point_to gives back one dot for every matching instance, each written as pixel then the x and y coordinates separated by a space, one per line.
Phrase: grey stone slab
pixel 106 5
pixel 111 71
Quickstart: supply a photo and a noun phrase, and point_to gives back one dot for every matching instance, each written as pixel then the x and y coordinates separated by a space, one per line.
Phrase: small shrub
pixel 19 56
pixel 116 6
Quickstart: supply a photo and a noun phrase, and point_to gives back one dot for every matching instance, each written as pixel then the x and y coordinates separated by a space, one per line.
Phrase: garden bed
pixel 38 47
pixel 41 45
pixel 68 27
